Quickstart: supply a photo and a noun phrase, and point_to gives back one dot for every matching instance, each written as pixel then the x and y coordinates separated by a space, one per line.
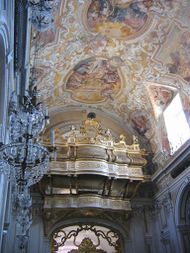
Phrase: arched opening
pixel 83 238
pixel 3 101
pixel 2 82
pixel 184 219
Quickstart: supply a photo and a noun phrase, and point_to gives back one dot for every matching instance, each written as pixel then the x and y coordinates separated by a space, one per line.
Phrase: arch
pixel 182 192
pixel 92 221
pixel 182 215
pixel 2 76
pixel 4 49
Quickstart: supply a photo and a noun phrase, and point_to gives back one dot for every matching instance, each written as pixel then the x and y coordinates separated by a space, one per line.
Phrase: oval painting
pixel 119 19
pixel 94 81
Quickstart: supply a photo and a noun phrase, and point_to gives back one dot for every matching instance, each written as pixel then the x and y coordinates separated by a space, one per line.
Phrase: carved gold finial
pixel 72 135
pixel 73 128
pixel 108 135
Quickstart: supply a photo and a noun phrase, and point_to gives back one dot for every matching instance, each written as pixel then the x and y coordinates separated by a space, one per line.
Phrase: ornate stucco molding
pixel 99 168
pixel 87 201
pixel 92 150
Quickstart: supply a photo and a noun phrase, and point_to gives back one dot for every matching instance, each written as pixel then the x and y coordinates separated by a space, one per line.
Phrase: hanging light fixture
pixel 24 160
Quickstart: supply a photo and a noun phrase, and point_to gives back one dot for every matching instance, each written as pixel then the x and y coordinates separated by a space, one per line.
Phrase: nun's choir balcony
pixel 88 169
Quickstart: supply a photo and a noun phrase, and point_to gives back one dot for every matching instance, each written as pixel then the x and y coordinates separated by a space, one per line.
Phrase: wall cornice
pixel 179 162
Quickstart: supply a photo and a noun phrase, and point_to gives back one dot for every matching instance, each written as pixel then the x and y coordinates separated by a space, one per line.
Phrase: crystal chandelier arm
pixel 42 13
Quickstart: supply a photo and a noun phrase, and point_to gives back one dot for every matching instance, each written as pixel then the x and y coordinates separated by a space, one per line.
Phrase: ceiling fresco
pixel 177 59
pixel 122 59
pixel 119 19
pixel 160 97
pixel 94 80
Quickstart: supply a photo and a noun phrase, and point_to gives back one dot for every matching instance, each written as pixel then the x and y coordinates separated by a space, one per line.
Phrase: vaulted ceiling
pixel 124 60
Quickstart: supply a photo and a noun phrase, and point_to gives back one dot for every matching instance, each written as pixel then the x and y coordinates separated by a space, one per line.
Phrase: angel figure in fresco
pixel 161 96
pixel 133 16
pixel 97 67
pixel 100 69
pixel 89 68
pixel 110 73
pixel 83 68
pixel 180 58
pixel 105 7
pixel 94 80
pixel 140 123
pixel 74 82
pixel 107 92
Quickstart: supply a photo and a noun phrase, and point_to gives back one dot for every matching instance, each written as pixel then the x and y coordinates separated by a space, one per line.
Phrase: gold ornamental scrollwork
pixel 87 201
pixel 87 245
pixel 93 148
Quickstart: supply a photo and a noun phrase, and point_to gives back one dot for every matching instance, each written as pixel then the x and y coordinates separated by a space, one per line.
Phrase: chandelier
pixel 42 13
pixel 24 159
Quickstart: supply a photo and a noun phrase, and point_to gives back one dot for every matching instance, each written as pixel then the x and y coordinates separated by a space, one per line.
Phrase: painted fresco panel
pixel 119 19
pixel 140 122
pixel 160 97
pixel 175 53
pixel 94 81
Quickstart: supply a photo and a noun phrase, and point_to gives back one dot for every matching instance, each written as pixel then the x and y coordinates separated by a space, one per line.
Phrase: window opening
pixel 178 130
pixel 85 238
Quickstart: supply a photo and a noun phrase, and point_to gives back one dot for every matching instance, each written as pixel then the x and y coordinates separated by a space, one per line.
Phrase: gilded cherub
pixel 122 139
